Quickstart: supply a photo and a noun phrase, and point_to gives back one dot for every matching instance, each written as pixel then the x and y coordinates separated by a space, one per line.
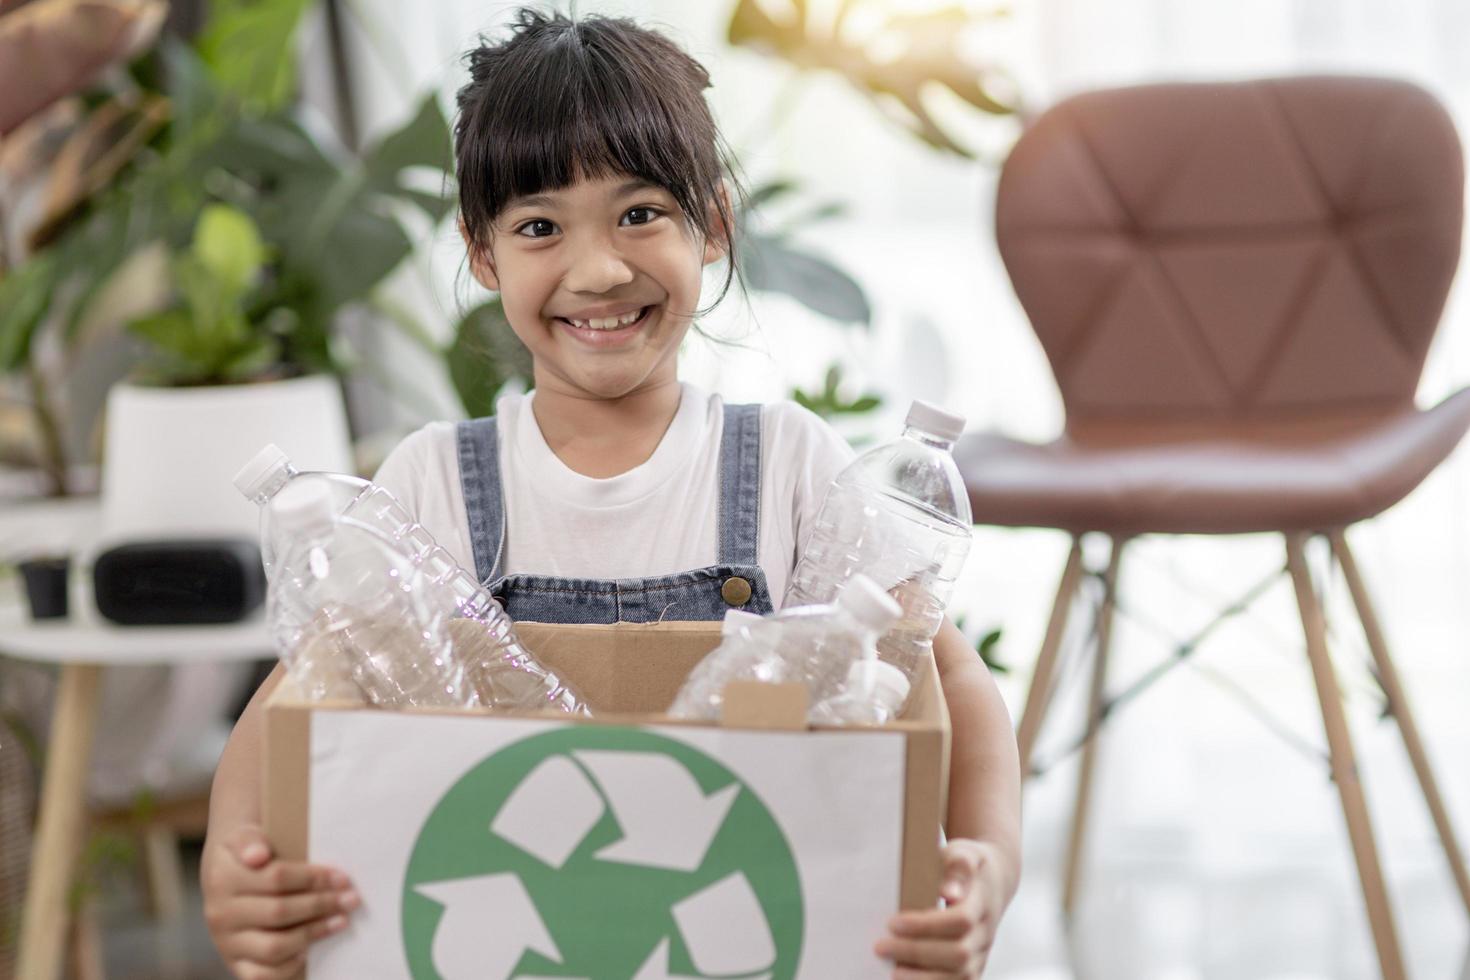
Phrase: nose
pixel 597 267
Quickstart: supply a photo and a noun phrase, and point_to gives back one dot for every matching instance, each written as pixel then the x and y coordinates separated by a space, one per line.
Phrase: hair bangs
pixel 566 100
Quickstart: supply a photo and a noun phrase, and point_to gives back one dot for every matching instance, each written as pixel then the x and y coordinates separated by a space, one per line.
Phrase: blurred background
pixel 202 195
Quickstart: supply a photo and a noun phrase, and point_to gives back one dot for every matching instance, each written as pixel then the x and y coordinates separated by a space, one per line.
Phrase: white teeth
pixel 607 322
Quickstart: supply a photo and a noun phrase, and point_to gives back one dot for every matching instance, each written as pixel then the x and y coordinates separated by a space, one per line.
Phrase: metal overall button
pixel 735 591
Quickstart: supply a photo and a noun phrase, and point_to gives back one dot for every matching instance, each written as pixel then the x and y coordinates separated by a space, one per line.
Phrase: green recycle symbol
pixel 602 854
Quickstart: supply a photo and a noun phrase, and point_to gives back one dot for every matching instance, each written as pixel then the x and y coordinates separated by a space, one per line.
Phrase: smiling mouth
pixel 608 325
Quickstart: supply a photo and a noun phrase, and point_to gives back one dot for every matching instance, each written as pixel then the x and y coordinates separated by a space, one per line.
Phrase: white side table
pixel 82 646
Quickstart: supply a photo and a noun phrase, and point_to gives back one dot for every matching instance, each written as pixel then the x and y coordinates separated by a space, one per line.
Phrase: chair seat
pixel 1147 478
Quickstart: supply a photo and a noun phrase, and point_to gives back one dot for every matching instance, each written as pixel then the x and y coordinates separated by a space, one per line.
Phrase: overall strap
pixel 484 501
pixel 740 486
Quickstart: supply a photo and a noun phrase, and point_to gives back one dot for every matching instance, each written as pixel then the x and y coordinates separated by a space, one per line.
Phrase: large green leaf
pixel 248 46
pixel 356 255
pixel 270 149
pixel 483 356
pixel 424 141
pixel 769 264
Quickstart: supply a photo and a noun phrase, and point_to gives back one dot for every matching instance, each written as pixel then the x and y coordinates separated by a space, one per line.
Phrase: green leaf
pixel 192 95
pixel 256 358
pixel 771 266
pixel 483 356
pixel 170 331
pixel 986 649
pixel 25 298
pixel 248 46
pixel 806 401
pixel 768 192
pixel 866 403
pixel 424 141
pixel 270 149
pixel 357 254
pixel 227 243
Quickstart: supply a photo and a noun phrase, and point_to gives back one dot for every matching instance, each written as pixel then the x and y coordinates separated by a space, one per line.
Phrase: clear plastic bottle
pixel 813 645
pixel 345 601
pixel 874 695
pixel 746 652
pixel 499 670
pixel 271 469
pixel 898 514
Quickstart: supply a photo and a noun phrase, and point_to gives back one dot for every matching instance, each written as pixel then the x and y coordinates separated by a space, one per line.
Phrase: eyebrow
pixel 546 200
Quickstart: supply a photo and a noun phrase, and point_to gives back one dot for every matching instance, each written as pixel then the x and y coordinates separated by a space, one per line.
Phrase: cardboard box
pixel 629 845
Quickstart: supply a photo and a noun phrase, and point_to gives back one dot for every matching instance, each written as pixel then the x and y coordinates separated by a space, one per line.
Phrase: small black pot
pixel 46 582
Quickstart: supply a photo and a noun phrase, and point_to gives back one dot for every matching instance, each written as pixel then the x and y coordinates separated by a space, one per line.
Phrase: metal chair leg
pixel 1094 719
pixel 1038 696
pixel 1344 765
pixel 1398 704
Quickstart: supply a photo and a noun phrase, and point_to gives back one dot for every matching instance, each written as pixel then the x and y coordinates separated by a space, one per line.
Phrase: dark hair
pixel 565 99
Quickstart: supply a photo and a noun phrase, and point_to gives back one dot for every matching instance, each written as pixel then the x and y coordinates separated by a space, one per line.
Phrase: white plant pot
pixel 171 453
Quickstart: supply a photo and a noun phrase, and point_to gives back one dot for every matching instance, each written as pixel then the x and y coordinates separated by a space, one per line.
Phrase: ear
pixel 482 264
pixel 717 246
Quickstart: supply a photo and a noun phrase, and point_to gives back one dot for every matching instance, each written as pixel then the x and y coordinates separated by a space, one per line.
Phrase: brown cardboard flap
pixel 630 668
pixel 287 772
pixel 926 778
pixel 755 704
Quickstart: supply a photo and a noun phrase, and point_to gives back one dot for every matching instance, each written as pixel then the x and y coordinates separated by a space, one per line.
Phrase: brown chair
pixel 1235 285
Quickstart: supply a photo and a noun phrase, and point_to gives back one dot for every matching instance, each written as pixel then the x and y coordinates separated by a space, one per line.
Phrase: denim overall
pixel 735 581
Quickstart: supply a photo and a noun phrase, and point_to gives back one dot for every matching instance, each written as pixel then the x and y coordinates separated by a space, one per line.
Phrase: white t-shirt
pixel 656 519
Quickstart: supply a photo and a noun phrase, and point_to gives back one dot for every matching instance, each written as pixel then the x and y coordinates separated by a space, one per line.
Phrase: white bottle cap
pixel 865 601
pixel 303 508
pixel 736 618
pixel 264 466
pixel 884 682
pixel 935 420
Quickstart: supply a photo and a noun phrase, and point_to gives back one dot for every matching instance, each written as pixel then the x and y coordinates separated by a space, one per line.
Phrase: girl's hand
pixel 263 912
pixel 953 942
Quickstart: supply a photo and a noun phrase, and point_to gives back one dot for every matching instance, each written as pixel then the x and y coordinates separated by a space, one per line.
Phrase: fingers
pixel 286 877
pixel 938 924
pixel 274 947
pixel 945 956
pixel 937 944
pixel 290 970
pixel 909 973
pixel 266 876
pixel 277 954
pixel 285 911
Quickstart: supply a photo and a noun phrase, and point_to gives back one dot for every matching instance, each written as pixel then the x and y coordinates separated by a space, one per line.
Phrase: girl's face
pixel 600 281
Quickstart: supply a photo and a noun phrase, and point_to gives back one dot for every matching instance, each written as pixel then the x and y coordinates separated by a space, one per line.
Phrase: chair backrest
pixel 1235 252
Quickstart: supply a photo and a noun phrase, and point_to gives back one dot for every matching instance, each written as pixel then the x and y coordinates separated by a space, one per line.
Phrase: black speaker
pixel 169 583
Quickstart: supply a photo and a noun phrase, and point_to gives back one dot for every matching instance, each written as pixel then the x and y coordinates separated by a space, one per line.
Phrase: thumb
pixel 959 873
pixel 251 848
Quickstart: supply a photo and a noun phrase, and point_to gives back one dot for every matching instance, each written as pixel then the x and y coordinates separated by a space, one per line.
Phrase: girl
pixel 592 195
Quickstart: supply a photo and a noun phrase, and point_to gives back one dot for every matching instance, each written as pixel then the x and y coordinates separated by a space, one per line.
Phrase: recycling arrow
pixel 666 819
pixel 656 967
pixel 489 922
pixel 725 929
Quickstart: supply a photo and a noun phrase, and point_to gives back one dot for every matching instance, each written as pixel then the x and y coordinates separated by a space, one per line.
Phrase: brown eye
pixel 537 228
pixel 639 216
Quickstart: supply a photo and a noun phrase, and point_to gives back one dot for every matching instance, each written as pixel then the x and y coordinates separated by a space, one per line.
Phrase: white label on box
pixel 510 849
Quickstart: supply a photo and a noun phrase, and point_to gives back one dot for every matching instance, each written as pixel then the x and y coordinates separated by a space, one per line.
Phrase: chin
pixel 612 386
